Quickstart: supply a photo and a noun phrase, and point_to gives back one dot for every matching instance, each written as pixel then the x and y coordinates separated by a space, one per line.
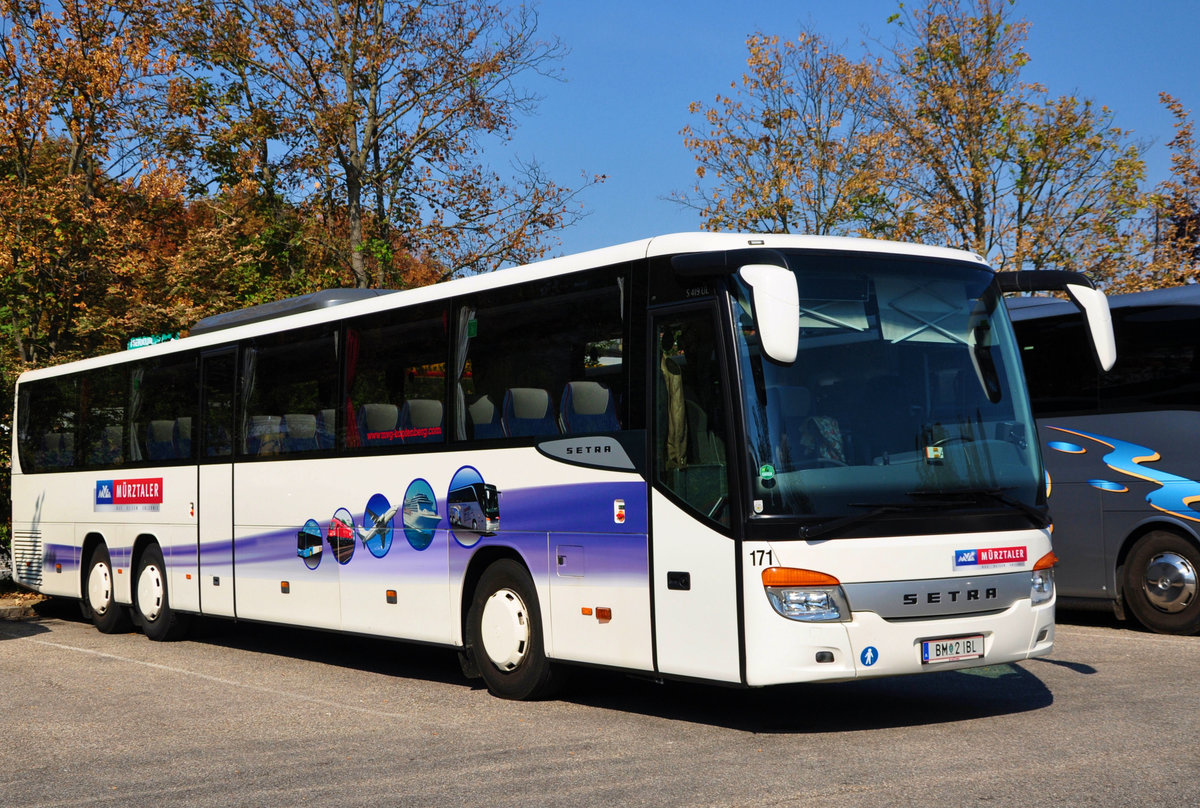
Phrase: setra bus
pixel 1119 450
pixel 741 459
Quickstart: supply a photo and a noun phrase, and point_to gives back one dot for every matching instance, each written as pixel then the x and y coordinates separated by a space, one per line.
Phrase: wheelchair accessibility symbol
pixel 869 656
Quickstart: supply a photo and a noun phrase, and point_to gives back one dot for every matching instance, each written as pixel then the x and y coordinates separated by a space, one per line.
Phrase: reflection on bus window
pixel 689 414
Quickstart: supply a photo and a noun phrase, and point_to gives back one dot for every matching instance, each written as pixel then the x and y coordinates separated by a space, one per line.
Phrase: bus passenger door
pixel 214 510
pixel 694 564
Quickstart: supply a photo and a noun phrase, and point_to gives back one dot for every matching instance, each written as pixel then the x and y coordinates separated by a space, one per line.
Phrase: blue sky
pixel 633 68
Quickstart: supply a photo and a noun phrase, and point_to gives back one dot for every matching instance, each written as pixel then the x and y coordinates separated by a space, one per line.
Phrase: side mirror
pixel 776 301
pixel 1094 306
pixel 1090 301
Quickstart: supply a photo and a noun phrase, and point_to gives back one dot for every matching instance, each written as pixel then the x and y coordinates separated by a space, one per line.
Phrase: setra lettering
pixel 579 450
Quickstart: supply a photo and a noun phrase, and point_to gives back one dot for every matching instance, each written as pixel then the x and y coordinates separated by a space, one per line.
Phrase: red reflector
pixel 788 576
pixel 603 614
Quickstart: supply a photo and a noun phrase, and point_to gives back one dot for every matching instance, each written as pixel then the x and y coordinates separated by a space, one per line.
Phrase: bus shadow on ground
pixel 840 707
pixel 405 660
pixel 929 699
pixel 934 698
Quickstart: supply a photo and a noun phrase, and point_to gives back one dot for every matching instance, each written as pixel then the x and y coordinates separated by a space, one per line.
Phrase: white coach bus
pixel 740 459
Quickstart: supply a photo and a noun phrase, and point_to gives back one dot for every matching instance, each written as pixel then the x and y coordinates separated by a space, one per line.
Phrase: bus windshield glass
pixel 906 393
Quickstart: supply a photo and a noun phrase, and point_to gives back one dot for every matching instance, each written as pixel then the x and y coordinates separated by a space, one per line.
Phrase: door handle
pixel 679 580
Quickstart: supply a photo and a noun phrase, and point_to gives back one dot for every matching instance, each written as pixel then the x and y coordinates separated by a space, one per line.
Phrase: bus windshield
pixel 906 393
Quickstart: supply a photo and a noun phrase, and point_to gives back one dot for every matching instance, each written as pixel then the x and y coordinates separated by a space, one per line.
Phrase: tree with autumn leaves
pixel 940 138
pixel 163 161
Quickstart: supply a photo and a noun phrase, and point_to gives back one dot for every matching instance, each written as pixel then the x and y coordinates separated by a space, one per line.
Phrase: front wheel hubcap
pixel 504 629
pixel 1170 582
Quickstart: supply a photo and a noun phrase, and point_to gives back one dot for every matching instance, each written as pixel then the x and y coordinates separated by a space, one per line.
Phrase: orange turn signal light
pixel 1046 562
pixel 788 576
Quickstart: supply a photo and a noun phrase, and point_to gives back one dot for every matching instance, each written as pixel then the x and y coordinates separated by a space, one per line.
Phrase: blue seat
pixel 485 419
pixel 183 436
pixel 299 432
pixel 160 440
pixel 377 423
pixel 527 412
pixel 588 407
pixel 421 421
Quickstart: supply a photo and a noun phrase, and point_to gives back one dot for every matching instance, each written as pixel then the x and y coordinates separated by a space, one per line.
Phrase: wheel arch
pixel 1179 527
pixel 91 541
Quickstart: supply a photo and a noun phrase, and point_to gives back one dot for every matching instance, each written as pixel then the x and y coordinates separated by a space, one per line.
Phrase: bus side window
pixel 395 379
pixel 218 374
pixel 47 436
pixel 543 359
pixel 689 414
pixel 288 379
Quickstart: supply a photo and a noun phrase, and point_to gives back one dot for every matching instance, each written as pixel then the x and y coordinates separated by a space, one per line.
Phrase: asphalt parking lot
pixel 255 715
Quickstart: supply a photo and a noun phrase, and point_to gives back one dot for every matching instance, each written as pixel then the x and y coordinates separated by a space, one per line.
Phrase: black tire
pixel 504 634
pixel 1161 583
pixel 159 621
pixel 107 615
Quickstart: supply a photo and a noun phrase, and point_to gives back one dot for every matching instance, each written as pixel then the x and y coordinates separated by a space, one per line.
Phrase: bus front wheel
pixel 504 632
pixel 1161 583
pixel 159 621
pixel 108 616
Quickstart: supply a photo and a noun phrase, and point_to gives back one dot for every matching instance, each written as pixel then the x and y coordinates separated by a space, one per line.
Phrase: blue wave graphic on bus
pixel 1175 494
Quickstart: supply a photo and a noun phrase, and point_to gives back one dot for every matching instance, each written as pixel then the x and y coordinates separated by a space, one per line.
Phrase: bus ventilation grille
pixel 27 557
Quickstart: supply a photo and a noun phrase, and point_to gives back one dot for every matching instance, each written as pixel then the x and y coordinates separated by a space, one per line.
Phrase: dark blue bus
pixel 1122 451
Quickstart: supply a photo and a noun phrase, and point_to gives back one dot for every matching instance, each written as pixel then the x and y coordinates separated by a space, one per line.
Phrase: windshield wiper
pixel 1038 516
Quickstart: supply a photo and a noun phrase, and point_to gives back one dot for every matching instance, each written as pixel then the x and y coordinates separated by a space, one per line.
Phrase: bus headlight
pixel 1041 584
pixel 805 595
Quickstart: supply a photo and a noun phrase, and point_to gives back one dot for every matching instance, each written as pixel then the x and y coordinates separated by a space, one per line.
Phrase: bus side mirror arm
pixel 1090 301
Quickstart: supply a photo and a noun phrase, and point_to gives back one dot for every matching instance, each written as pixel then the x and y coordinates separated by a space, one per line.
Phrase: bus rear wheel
pixel 504 633
pixel 108 616
pixel 1162 583
pixel 159 621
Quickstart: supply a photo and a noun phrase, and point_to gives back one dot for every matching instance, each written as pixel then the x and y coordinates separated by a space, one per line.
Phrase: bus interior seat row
pixel 586 406
pixel 169 439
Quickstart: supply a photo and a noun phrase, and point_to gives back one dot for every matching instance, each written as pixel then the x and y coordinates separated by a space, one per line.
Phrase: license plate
pixel 952 649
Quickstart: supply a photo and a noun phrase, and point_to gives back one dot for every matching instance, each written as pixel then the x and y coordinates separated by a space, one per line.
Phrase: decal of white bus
pixel 475 507
pixel 742 459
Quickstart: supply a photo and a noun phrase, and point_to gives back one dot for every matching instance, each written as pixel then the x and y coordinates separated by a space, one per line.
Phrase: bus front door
pixel 693 558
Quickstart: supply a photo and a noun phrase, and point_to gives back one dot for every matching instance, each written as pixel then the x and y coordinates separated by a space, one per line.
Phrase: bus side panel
pixel 273 503
pixel 45 554
pixel 402 592
pixel 599 602
pixel 582 534
pixel 1137 468
pixel 116 505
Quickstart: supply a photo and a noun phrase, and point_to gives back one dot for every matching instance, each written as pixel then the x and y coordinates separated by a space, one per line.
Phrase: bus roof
pixel 1031 308
pixel 331 305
